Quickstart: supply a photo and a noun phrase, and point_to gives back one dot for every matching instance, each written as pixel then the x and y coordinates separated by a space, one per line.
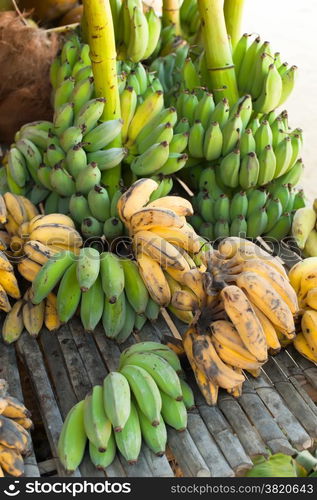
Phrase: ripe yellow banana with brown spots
pixel 135 198
pixel 154 280
pixel 271 336
pixel 183 237
pixel 179 205
pixel 10 284
pixel 29 269
pixel 160 250
pixel 148 218
pixel 302 346
pixel 309 329
pixel 11 461
pixel 51 319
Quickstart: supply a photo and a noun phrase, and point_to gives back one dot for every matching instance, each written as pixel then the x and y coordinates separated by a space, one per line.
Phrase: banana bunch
pixel 266 211
pixel 15 441
pixel 103 287
pixel 246 151
pixel 304 230
pixel 249 313
pixel 190 19
pixel 165 247
pixel 303 278
pixel 137 30
pixel 134 402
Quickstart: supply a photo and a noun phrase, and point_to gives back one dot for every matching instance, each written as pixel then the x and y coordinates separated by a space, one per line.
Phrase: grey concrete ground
pixel 290 26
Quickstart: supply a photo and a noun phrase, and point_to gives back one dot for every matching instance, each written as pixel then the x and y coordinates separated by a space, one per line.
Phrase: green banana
pixel 17 167
pixel 102 460
pixel 90 113
pixel 99 203
pixel 112 276
pixel 128 326
pixel 129 440
pixel 97 426
pixel 107 158
pixel 72 440
pixel 283 153
pixel 239 226
pixel 100 136
pixel 221 229
pixel 230 171
pixel 88 266
pixel 246 142
pixel 135 289
pixel 91 306
pixel 68 295
pixel 87 178
pixel 271 93
pixel 257 222
pixel 61 181
pixel 221 113
pixel 113 228
pixel 174 412
pixel 267 165
pixel 159 349
pixel 155 437
pixel 79 208
pixel 163 132
pixel 196 140
pixel 213 142
pixel 222 208
pixel 206 207
pixel 249 171
pixel 281 228
pixel 117 400
pixel 152 310
pixel 231 134
pixel 113 317
pixel 188 395
pixel 63 92
pixel 238 205
pixel 152 160
pixel 263 136
pixel 50 274
pixel 140 320
pixel 82 93
pixel 256 200
pixel 76 160
pixel 288 82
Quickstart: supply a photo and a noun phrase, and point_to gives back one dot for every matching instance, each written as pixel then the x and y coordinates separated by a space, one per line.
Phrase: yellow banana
pixel 15 409
pixel 13 323
pixel 56 248
pixel 28 269
pixel 183 237
pixel 51 219
pixel 5 264
pixel 276 280
pixel 193 279
pixel 255 373
pixel 4 301
pixel 13 436
pixel 272 339
pixel 268 301
pixel 176 274
pixel 52 234
pixel 25 422
pixel 302 346
pixel 160 250
pixel 4 240
pixel 296 272
pixel 150 107
pixel 10 284
pixel 135 198
pixel 185 300
pixel 51 318
pixel 184 316
pixel 148 218
pixel 230 347
pixel 240 312
pixel 15 207
pixel 24 230
pixel 154 280
pixel 308 282
pixel 33 317
pixel 208 388
pixel 311 298
pixel 11 461
pixel 3 210
pixel 38 252
pixel 179 205
pixel 309 329
pixel 11 225
pixel 30 209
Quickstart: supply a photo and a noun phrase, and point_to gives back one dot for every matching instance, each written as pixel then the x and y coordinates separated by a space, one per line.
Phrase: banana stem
pixel 171 14
pixel 103 59
pixel 218 54
pixel 233 10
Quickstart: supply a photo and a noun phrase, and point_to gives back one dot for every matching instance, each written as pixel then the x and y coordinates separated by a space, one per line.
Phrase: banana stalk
pixel 103 59
pixel 170 15
pixel 218 54
pixel 233 10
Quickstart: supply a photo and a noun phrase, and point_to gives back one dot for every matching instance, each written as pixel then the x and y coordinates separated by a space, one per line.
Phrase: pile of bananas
pixel 248 314
pixel 304 230
pixel 134 403
pixel 15 440
pixel 137 32
pixel 303 278
pixel 247 152
pixel 165 247
pixel 265 211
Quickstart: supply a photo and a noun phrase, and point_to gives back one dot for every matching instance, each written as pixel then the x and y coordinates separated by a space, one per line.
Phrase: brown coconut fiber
pixel 26 53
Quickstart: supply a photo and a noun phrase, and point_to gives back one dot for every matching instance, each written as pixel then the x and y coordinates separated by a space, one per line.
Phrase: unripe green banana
pixel 91 307
pixel 155 437
pixel 274 211
pixel 283 153
pixel 174 412
pixel 87 178
pixel 54 154
pixel 206 207
pixel 68 295
pixel 72 440
pixel 239 226
pixel 229 169
pixel 50 274
pixel 51 203
pixel 239 52
pixel 135 289
pixel 249 171
pixel 82 73
pixel 263 136
pixel 97 426
pixel 90 113
pixel 69 52
pixel 163 132
pixel 207 230
pixel 178 143
pixel 145 391
pixel 44 176
pixel 289 206
pixel 271 93
pixel 61 181
pixel 37 136
pixel 102 460
pixel 246 142
pixel 280 192
pixel 152 310
pixel 207 181
pixel 63 92
pixel 288 82
pixel 188 108
pixel 17 167
pixel 100 136
pixel 114 316
pixel 257 222
pixel 222 208
pixel 267 165
pixel 231 134
pixel 221 113
pixel 221 229
pixel 78 207
pixel 278 131
pixel 88 266
pixel 107 158
pixel 155 347
pixel 256 200
pixel 174 163
pixel 188 395
pixel 204 109
pixel 113 228
pixel 128 101
pixel 299 200
pixel 213 142
pixel 140 320
pixel 164 375
pixel 239 205
pixel 82 93
pixel 129 440
pixel 297 149
pixel 91 227
pixel 54 71
pixel 99 203
pixel 128 326
pixel 254 125
pixel 152 160
pixel 32 155
pixel 112 275
pixel 281 228
pixel 117 400
pixel 71 137
pixel 76 160
pixel 247 65
pixel 189 74
pixel 182 126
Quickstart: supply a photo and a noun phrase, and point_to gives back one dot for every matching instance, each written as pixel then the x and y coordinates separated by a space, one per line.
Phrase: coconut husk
pixel 26 53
